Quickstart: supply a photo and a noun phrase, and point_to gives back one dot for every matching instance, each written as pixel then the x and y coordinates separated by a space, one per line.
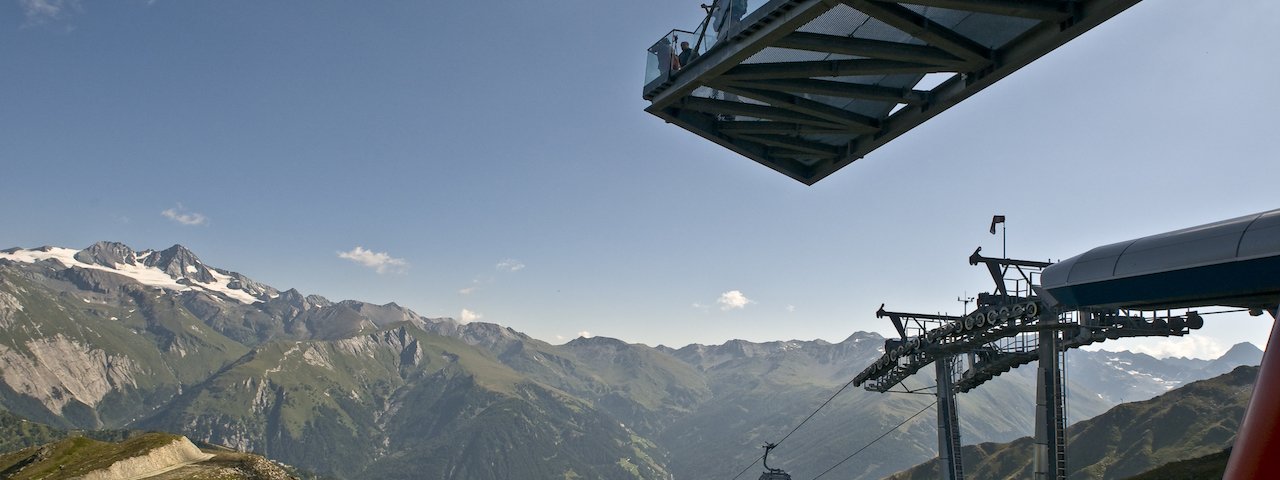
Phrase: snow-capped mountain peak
pixel 175 268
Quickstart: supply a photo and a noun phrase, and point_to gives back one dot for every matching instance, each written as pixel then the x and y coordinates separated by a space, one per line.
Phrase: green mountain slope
pixel 1208 467
pixel 92 358
pixel 17 433
pixel 1198 419
pixel 403 400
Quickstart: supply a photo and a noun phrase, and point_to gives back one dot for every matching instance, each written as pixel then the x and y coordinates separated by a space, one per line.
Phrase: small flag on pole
pixel 994 220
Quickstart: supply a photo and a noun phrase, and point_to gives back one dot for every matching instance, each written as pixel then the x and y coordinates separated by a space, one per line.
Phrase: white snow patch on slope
pixel 221 284
pixel 145 275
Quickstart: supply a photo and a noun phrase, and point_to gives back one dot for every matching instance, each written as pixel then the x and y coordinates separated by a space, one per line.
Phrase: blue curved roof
pixel 1230 262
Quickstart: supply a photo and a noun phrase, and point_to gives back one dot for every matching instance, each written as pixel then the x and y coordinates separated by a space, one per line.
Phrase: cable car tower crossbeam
pixel 1008 328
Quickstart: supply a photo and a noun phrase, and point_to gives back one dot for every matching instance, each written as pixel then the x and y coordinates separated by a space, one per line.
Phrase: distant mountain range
pixel 109 337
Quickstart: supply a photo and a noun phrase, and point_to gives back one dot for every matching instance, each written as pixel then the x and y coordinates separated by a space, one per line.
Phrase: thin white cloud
pixel 379 261
pixel 185 217
pixel 733 300
pixel 40 11
pixel 1189 346
pixel 1192 346
pixel 584 334
pixel 510 265
pixel 475 285
pixel 791 308
pixel 469 316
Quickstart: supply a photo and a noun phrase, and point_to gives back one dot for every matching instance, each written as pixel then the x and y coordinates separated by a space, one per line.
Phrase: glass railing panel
pixel 753 5
pixel 669 54
pixel 662 60
pixel 651 69
pixel 673 52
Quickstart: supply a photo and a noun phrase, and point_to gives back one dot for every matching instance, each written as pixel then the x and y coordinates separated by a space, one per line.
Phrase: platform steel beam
pixel 786 101
pixel 754 126
pixel 916 25
pixel 832 88
pixel 861 47
pixel 831 68
pixel 1034 9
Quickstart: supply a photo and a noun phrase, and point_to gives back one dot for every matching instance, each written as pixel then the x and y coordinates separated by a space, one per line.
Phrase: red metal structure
pixel 1257 450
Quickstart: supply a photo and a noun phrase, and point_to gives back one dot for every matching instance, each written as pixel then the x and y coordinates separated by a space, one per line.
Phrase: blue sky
pixel 494 157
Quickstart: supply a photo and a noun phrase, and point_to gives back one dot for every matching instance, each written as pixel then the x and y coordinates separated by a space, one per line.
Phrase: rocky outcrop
pixel 383 315
pixel 261 291
pixel 94 280
pixel 57 371
pixel 179 262
pixel 9 308
pixel 397 340
pixel 108 254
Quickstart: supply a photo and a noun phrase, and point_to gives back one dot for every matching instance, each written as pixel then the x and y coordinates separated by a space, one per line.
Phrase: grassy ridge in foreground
pixel 1208 467
pixel 76 456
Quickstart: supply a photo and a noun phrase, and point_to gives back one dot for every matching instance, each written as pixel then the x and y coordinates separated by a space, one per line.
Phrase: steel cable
pixel 802 422
pixel 885 434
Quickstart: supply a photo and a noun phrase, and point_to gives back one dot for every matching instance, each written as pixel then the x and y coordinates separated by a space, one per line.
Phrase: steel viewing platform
pixel 806 87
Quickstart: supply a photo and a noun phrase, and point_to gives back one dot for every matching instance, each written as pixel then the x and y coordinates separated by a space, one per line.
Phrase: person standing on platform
pixel 667 60
pixel 686 54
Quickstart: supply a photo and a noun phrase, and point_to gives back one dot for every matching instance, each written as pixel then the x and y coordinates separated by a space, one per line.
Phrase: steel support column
pixel 1050 461
pixel 949 467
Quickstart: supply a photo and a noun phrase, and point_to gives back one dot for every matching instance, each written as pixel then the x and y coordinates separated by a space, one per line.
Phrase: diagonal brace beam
pixel 861 47
pixel 838 89
pixel 809 107
pixel 916 25
pixel 793 143
pixel 726 107
pixel 754 127
pixel 1045 10
pixel 830 68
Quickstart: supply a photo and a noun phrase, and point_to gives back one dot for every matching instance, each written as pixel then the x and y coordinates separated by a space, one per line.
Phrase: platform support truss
pixel 949 460
pixel 1051 444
